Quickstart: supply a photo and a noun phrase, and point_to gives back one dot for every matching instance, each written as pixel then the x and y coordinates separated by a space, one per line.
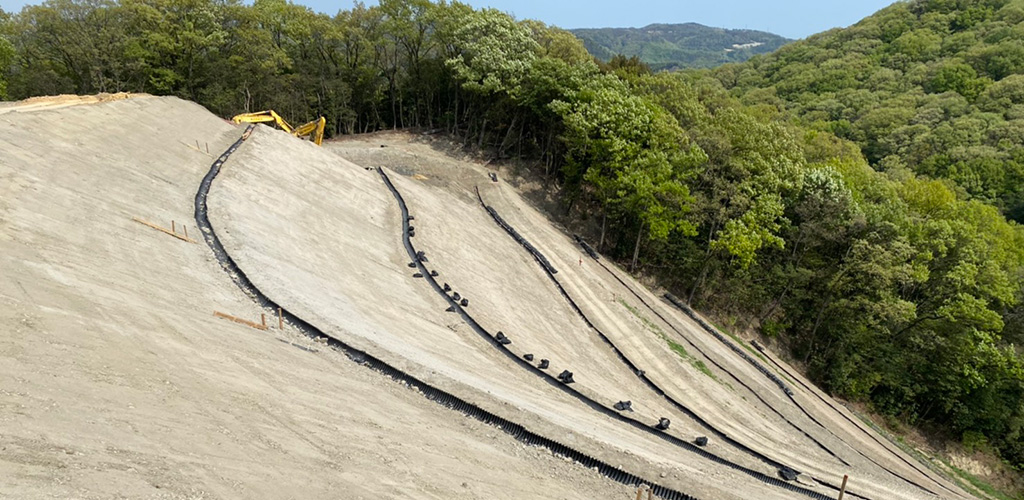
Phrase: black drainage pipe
pixel 361 357
pixel 672 299
pixel 717 364
pixel 554 382
pixel 629 363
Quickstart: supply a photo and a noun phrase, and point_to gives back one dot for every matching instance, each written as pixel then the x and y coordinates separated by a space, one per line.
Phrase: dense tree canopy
pixel 929 85
pixel 845 195
pixel 6 55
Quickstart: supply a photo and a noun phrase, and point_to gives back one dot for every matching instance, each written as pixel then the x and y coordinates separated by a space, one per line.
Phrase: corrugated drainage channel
pixel 735 348
pixel 551 380
pixel 672 299
pixel 454 305
pixel 714 332
pixel 540 258
pixel 361 357
pixel 858 426
pixel 709 358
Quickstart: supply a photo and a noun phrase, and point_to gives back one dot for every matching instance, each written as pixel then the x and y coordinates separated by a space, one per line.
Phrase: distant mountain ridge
pixel 677 46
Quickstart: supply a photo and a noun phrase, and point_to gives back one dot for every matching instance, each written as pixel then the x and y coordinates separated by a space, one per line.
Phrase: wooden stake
pixel 280 319
pixel 263 320
pixel 173 229
pixel 163 230
pixel 186 231
pixel 650 493
pixel 239 320
pixel 842 489
pixel 207 148
pixel 197 143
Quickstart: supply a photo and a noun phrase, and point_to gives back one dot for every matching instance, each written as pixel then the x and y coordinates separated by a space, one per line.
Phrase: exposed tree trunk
pixel 519 142
pixel 817 324
pixel 508 135
pixel 604 225
pixel 636 249
pixel 700 280
pixel 455 116
pixel 775 304
pixel 483 131
pixel 704 265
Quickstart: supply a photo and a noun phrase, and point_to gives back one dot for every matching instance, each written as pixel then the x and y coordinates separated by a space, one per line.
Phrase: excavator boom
pixel 263 117
pixel 314 129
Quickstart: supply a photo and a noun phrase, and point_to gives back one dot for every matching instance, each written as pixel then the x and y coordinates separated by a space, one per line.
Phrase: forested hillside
pixel 934 86
pixel 679 46
pixel 897 289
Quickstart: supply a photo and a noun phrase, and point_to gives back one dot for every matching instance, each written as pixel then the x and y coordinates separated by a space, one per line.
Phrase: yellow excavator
pixel 314 129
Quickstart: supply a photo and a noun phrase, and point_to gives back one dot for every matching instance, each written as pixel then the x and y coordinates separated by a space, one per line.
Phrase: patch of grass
pixel 741 342
pixel 675 346
pixel 962 478
pixel 681 351
pixel 753 351
pixel 977 484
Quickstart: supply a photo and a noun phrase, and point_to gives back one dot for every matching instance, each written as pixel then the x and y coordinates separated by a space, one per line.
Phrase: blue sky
pixel 790 18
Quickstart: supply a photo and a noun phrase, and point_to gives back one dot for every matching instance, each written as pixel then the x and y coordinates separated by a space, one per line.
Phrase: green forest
pixel 853 195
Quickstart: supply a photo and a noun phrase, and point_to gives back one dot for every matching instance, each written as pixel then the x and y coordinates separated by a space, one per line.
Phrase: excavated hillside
pixel 117 377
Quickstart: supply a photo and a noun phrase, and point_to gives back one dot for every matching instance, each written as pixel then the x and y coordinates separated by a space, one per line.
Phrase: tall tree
pixel 6 52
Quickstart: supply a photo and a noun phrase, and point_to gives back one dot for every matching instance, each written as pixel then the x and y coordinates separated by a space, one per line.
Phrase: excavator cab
pixel 313 130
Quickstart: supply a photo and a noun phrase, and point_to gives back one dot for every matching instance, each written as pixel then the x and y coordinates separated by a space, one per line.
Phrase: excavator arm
pixel 314 129
pixel 263 117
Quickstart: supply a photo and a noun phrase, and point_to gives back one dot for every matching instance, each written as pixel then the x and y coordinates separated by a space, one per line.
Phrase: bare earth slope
pixel 116 380
pixel 510 292
pixel 322 238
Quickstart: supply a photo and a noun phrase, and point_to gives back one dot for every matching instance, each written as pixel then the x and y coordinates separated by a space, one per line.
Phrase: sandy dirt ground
pixel 322 238
pixel 116 380
pixel 511 289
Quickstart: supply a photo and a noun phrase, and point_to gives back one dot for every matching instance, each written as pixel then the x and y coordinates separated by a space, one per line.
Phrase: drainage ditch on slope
pixel 361 357
pixel 548 269
pixel 417 261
